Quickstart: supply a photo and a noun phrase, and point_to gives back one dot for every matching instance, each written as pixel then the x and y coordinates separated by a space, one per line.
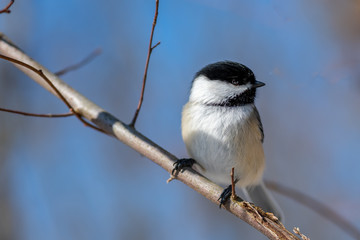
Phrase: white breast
pixel 220 138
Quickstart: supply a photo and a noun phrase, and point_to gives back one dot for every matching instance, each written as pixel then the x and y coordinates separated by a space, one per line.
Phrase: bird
pixel 222 129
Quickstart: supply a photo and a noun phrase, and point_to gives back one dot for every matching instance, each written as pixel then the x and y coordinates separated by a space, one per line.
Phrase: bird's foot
pixel 225 195
pixel 181 164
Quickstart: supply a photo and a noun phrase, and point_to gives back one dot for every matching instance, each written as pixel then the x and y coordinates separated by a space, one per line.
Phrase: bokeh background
pixel 60 180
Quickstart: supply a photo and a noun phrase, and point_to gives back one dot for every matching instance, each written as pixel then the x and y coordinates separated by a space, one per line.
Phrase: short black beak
pixel 257 84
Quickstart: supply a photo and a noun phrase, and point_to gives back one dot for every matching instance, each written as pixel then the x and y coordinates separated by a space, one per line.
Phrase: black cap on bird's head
pixel 232 72
pixel 225 83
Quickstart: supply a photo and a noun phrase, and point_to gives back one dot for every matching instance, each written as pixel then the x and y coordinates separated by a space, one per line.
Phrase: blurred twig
pixel 75 66
pixel 90 57
pixel 270 227
pixel 49 115
pixel 316 206
pixel 40 73
pixel 150 49
pixel 7 8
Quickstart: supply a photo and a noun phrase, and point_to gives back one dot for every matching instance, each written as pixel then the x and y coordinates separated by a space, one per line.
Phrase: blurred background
pixel 61 180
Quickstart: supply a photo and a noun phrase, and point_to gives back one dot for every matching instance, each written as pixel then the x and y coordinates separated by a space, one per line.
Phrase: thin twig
pixel 75 66
pixel 157 44
pixel 41 74
pixel 233 194
pixel 151 48
pixel 49 115
pixel 6 9
pixel 316 206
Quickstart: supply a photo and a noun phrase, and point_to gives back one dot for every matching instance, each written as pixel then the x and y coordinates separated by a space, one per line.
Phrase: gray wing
pixel 260 124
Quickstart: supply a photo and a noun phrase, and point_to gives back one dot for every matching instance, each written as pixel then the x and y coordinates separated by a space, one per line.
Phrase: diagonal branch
pixel 270 227
pixel 7 8
pixel 316 206
pixel 151 48
pixel 41 74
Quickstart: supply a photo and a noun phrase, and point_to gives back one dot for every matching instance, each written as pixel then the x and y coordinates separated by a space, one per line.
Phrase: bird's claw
pixel 182 163
pixel 225 195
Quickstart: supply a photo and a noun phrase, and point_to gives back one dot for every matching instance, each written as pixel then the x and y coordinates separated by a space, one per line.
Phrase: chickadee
pixel 221 128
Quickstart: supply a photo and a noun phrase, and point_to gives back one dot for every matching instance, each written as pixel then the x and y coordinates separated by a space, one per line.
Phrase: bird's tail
pixel 260 196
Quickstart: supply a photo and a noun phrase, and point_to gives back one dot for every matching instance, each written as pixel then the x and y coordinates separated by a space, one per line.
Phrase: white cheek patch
pixel 214 91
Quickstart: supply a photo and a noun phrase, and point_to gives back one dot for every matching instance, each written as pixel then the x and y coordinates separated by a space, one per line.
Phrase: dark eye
pixel 235 81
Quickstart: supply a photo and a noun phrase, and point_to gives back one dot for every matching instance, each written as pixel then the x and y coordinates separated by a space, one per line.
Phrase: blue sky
pixel 67 181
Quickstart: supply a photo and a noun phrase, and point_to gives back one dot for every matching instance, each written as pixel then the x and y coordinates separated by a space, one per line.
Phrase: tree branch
pixel 269 226
pixel 30 70
pixel 151 48
pixel 7 8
